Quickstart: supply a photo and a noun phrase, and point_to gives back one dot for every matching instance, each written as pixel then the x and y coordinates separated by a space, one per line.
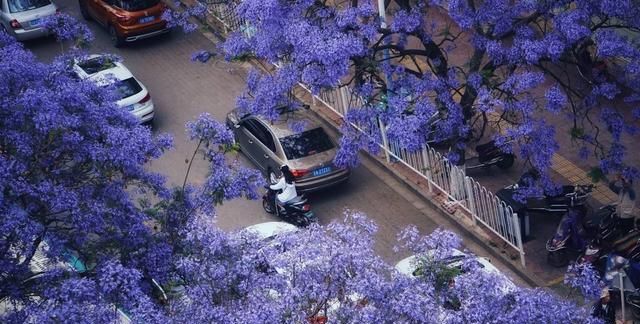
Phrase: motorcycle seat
pixel 486 148
pixel 564 193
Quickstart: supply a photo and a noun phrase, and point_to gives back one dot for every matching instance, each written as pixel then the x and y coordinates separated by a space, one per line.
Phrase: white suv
pixel 105 71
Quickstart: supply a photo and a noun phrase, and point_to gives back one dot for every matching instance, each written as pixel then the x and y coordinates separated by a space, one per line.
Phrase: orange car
pixel 126 20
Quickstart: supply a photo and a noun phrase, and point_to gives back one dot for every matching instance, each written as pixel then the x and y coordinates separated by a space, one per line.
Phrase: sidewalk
pixel 537 272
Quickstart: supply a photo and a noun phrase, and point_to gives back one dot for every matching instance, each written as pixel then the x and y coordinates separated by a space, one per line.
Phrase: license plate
pixel 35 23
pixel 321 171
pixel 145 20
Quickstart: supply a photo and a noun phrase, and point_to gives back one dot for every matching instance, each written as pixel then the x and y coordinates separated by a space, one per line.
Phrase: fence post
pixel 344 106
pixel 471 197
pixel 516 226
pixel 385 142
pixel 427 167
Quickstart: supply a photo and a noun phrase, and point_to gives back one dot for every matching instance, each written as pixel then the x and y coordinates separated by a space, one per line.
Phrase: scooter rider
pixel 287 185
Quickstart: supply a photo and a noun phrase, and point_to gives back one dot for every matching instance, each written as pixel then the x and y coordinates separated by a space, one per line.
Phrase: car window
pixel 126 88
pixel 136 5
pixel 96 64
pixel 24 5
pixel 261 133
pixel 306 143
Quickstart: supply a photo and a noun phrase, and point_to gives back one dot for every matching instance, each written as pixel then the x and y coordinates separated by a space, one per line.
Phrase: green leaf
pixel 576 133
pixel 242 58
pixel 596 174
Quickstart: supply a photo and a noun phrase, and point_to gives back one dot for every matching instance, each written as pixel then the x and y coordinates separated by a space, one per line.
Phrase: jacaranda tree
pixel 458 69
pixel 74 187
pixel 87 233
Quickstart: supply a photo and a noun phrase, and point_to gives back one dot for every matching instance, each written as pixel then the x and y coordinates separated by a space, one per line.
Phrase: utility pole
pixel 382 13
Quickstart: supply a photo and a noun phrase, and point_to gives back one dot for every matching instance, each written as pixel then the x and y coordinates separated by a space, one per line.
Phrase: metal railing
pixel 480 204
pixel 225 13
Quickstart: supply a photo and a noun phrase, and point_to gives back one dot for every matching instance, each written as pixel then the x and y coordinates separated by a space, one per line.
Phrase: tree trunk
pixel 470 94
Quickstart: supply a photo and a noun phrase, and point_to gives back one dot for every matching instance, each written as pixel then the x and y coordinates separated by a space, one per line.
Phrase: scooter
pixel 583 231
pixel 296 211
pixel 488 154
pixel 570 233
pixel 560 202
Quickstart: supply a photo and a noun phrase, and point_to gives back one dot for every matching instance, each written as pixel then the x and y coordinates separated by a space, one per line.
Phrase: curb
pixel 462 223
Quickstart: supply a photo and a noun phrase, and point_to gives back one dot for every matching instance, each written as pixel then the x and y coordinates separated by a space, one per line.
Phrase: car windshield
pixel 306 143
pixel 24 5
pixel 126 88
pixel 454 263
pixel 96 64
pixel 136 5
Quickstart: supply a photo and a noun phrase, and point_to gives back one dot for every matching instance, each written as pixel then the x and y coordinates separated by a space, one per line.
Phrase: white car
pixel 409 266
pixel 269 230
pixel 133 95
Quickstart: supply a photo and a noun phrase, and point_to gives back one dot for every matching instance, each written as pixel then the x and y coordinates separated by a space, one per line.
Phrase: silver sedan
pixel 23 18
pixel 309 152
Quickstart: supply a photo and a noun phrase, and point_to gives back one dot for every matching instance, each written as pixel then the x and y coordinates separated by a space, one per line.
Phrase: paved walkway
pixel 574 174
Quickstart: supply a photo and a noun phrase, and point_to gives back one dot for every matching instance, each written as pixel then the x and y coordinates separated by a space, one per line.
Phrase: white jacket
pixel 288 190
pixel 626 200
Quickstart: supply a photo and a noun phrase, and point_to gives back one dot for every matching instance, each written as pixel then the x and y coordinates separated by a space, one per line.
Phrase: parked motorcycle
pixel 488 154
pixel 296 211
pixel 571 233
pixel 560 202
pixel 584 231
pixel 611 239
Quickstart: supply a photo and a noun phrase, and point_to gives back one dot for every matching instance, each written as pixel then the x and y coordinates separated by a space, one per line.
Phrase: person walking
pixel 625 206
pixel 603 309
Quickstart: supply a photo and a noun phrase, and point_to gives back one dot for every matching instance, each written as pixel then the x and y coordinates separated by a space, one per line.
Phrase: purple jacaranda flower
pixel 584 278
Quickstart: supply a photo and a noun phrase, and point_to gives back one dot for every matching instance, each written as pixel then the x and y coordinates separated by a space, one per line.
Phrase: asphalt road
pixel 181 90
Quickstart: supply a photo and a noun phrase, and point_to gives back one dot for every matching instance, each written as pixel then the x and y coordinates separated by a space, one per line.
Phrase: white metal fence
pixel 442 176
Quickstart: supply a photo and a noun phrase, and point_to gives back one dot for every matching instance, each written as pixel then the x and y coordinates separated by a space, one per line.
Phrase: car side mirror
pixel 233 121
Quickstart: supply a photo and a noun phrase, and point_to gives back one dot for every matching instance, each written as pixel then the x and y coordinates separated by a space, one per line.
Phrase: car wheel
pixel 302 222
pixel 116 40
pixel 636 312
pixel 83 11
pixel 558 258
pixel 268 206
